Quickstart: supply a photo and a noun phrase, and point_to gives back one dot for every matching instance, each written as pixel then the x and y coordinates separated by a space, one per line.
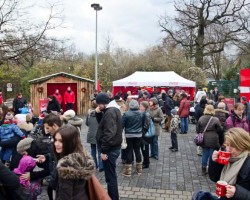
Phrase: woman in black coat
pixel 53 104
pixel 237 172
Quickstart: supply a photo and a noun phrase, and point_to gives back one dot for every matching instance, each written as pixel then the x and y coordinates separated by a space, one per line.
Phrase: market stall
pixel 154 81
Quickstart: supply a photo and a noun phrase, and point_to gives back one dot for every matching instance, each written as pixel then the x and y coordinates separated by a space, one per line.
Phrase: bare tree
pixel 229 20
pixel 18 34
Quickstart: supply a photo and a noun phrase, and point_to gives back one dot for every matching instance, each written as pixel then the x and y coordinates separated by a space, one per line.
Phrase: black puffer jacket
pixel 213 134
pixel 73 172
pixel 18 103
pixel 132 122
pixel 109 132
pixel 222 116
pixel 53 105
pixel 243 179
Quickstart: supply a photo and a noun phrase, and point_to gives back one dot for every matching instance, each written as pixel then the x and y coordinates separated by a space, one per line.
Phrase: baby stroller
pixel 192 114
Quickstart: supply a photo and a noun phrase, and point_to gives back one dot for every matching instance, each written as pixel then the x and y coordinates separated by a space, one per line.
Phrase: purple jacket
pixel 234 121
pixel 26 164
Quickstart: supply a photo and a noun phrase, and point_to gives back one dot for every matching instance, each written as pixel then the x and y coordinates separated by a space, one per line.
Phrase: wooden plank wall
pixel 83 98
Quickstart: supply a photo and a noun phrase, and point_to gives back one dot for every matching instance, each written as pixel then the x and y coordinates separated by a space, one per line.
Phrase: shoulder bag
pixel 198 139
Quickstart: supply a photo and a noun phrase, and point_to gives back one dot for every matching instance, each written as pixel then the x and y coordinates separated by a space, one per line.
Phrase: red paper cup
pixel 221 188
pixel 224 157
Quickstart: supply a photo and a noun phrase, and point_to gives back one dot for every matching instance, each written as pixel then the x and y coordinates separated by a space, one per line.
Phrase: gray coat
pixel 213 134
pixel 157 116
pixel 92 123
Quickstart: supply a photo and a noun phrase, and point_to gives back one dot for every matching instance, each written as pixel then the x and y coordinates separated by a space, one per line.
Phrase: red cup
pixel 224 157
pixel 221 188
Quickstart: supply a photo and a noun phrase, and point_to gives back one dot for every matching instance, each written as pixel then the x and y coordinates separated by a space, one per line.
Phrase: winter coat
pixel 214 133
pixel 58 97
pixel 92 123
pixel 243 179
pixel 183 111
pixel 18 103
pixel 157 116
pixel 11 185
pixel 199 110
pixel 109 132
pixel 77 122
pixel 26 164
pixel 1 99
pixel 53 106
pixel 222 115
pixel 132 123
pixel 69 97
pixel 7 132
pixel 143 99
pixel 234 121
pixel 73 172
pixel 145 127
pixel 169 105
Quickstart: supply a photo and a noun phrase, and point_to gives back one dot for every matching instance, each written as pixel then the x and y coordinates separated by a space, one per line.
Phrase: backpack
pixel 151 129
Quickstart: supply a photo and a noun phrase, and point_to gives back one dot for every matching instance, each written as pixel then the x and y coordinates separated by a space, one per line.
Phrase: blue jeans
pixel 206 155
pixel 184 124
pixel 94 147
pixel 109 166
pixel 154 147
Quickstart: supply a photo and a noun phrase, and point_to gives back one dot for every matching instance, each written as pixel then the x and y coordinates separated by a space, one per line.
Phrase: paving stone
pixel 174 176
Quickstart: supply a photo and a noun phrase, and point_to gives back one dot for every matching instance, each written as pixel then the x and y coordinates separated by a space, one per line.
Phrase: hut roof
pixel 45 78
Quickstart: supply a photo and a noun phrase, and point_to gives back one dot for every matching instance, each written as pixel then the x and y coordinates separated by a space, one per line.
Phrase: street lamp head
pixel 96 6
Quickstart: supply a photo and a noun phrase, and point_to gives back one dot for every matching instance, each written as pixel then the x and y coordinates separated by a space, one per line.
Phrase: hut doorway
pixel 62 87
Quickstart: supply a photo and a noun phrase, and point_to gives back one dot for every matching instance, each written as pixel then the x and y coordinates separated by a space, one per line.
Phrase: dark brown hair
pixel 71 142
pixel 51 119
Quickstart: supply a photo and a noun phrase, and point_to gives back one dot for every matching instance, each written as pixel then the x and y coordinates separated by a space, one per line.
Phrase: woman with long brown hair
pixel 74 164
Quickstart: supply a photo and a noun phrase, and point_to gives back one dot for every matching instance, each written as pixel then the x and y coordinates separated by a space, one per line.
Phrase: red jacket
pixel 184 108
pixel 1 99
pixel 58 97
pixel 69 97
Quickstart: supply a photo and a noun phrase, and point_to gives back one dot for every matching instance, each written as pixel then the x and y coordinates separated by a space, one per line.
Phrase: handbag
pixel 124 142
pixel 96 190
pixel 151 130
pixel 198 139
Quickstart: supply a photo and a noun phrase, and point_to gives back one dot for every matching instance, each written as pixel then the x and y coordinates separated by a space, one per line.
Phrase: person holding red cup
pixel 233 177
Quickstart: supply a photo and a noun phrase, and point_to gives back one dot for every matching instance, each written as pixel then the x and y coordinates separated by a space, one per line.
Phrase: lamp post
pixel 96 7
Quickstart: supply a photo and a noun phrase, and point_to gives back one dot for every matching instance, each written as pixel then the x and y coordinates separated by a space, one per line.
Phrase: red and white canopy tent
pixel 150 80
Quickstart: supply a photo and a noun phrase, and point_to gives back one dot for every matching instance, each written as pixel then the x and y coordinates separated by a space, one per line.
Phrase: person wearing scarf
pixel 237 172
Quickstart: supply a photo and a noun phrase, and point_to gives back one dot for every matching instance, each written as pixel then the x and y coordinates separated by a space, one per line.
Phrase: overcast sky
pixel 129 24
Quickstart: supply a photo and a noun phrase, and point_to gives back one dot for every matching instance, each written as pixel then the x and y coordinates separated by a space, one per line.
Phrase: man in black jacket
pixel 109 139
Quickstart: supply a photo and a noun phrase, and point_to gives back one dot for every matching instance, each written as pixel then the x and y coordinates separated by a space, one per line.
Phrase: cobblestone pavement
pixel 173 177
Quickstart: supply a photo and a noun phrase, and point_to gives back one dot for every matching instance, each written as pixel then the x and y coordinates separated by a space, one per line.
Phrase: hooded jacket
pixel 73 172
pixel 109 132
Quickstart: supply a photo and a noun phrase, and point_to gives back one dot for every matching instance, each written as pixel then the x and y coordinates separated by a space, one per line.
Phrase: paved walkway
pixel 173 177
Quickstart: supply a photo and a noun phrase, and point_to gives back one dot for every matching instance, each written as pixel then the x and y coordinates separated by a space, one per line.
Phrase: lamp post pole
pixel 96 7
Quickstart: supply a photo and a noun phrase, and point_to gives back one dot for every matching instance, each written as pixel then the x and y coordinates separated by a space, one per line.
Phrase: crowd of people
pixel 111 121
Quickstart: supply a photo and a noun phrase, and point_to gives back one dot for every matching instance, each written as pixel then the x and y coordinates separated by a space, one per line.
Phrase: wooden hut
pixel 41 88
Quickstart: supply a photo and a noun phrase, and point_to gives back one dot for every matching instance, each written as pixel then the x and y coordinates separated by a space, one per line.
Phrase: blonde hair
pixel 237 105
pixel 238 138
pixel 209 110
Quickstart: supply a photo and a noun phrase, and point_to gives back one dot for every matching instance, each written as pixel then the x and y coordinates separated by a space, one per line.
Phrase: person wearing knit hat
pixel 102 98
pixel 110 126
pixel 24 145
pixel 9 116
pixel 69 114
pixel 133 105
pixel 174 129
pixel 132 121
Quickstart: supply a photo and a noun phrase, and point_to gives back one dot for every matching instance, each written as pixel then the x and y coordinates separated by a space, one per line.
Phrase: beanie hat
pixel 133 105
pixel 69 114
pixel 145 104
pixel 174 111
pixel 24 145
pixel 221 105
pixel 154 100
pixel 8 116
pixel 170 91
pixel 28 117
pixel 102 98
